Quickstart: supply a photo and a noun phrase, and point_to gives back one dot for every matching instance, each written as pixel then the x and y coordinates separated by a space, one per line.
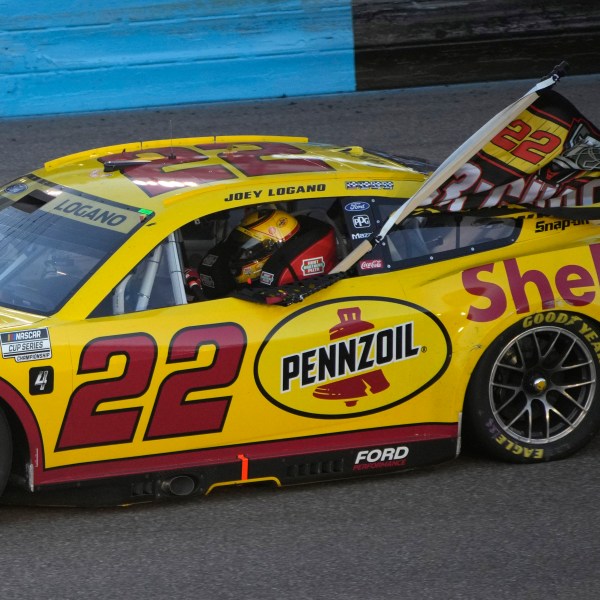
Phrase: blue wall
pixel 72 56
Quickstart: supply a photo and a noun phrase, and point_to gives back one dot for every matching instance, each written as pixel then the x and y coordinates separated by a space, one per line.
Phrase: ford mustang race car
pixel 169 323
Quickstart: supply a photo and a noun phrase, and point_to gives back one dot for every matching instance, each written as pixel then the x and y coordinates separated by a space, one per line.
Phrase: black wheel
pixel 534 395
pixel 6 450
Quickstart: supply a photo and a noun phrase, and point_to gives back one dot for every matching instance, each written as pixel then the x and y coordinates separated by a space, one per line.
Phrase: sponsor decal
pixel 267 278
pixel 519 450
pixel 357 206
pixel 27 345
pixel 15 188
pixel 544 226
pixel 381 458
pixel 371 264
pixel 568 319
pixel 209 260
pixel 369 185
pixel 511 446
pixel 573 284
pixel 313 266
pixel 362 236
pixel 41 381
pixel 281 222
pixel 361 221
pixel 560 318
pixel 207 280
pixel 346 354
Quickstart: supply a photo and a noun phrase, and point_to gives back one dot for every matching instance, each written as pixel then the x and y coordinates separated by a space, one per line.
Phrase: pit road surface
pixel 473 528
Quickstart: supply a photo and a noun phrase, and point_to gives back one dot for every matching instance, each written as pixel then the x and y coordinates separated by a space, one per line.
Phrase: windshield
pixel 53 238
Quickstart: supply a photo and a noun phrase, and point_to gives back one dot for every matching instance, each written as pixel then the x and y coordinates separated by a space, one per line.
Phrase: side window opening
pixel 332 217
pixel 156 282
pixel 171 273
pixel 428 236
pixel 200 235
pixel 221 253
pixel 270 245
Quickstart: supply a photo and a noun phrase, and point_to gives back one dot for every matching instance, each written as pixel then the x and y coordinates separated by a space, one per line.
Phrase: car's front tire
pixel 535 393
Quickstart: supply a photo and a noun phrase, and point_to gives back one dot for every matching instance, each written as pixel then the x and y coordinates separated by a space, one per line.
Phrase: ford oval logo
pixel 15 188
pixel 356 206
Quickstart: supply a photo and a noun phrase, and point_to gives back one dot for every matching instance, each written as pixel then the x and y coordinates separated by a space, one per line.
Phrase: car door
pixel 161 382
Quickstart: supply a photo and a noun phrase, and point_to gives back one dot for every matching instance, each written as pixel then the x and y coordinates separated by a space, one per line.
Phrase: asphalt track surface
pixel 471 529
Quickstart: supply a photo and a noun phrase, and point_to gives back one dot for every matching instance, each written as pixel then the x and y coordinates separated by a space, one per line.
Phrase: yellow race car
pixel 169 323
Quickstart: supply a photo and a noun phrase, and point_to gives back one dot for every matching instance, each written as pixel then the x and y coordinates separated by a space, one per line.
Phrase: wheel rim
pixel 542 385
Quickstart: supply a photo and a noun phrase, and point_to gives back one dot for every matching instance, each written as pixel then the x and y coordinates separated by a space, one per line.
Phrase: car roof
pixel 160 173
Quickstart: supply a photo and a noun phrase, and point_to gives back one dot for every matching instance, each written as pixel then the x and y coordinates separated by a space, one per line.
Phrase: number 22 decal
pixel 518 139
pixel 89 421
pixel 184 167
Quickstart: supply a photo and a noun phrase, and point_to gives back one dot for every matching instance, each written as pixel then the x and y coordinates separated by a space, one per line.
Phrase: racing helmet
pixel 256 238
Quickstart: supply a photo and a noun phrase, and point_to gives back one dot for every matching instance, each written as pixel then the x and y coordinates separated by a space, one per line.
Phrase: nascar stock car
pixel 168 323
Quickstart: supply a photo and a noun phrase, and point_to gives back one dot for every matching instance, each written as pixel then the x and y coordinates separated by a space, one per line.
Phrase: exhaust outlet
pixel 180 485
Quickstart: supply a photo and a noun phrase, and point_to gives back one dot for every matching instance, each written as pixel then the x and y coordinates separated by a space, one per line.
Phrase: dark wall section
pixel 402 43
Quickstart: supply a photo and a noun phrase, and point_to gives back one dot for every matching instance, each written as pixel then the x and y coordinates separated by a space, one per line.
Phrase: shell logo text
pixel 576 283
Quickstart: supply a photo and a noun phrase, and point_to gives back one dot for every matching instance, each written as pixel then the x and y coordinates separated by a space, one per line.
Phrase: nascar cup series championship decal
pixel 32 344
pixel 351 357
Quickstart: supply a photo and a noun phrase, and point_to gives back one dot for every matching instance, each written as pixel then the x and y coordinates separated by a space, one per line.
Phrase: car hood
pixel 11 319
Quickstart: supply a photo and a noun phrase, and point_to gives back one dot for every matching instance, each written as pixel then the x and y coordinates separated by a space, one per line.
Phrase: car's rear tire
pixel 535 394
pixel 6 450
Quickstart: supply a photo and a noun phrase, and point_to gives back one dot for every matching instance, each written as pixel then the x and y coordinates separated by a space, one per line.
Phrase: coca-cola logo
pixel 373 263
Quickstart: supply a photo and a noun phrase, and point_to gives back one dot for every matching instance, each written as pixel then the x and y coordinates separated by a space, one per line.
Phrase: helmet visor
pixel 248 248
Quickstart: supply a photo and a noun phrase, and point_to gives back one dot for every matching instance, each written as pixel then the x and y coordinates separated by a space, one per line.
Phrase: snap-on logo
pixel 356 206
pixel 351 357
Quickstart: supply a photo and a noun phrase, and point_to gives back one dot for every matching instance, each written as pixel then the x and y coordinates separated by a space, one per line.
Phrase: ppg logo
pixel 361 221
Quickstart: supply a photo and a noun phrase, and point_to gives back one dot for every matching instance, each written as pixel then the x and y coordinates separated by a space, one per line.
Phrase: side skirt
pixel 283 471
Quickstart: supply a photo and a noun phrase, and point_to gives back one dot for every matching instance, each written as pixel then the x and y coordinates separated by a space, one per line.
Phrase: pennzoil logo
pixel 351 357
pixel 347 366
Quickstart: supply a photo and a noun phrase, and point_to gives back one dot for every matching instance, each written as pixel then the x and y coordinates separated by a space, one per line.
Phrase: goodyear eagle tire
pixel 535 394
pixel 6 450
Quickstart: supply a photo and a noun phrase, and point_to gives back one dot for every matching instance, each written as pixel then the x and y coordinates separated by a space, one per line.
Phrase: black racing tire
pixel 535 394
pixel 6 450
